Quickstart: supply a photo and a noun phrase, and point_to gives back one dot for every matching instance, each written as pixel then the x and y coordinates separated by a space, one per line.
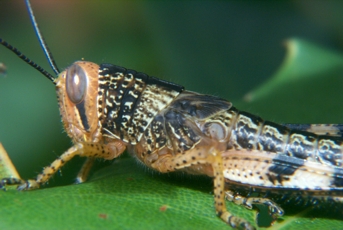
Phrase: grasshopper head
pixel 77 91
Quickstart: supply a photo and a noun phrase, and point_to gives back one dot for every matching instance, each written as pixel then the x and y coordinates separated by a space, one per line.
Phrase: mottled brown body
pixel 106 109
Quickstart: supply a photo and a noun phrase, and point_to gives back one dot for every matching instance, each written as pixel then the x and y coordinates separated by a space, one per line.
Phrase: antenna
pixel 43 45
pixel 41 39
pixel 27 60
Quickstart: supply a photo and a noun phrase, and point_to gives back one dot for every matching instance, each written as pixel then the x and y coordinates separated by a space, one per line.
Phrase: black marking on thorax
pixel 166 84
pixel 128 101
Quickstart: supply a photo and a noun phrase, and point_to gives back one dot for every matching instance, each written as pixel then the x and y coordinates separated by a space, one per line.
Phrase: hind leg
pixel 170 163
pixel 274 209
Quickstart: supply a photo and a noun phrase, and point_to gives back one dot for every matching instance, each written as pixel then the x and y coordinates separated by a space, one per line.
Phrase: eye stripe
pixel 82 112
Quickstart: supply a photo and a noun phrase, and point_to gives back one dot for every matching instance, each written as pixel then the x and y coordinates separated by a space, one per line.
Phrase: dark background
pixel 224 48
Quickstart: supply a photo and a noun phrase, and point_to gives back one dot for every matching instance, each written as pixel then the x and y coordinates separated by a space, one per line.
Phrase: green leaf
pixel 126 195
pixel 122 196
pixel 305 63
pixel 308 83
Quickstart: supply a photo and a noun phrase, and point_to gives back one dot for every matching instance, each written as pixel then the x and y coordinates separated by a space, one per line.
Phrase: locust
pixel 108 109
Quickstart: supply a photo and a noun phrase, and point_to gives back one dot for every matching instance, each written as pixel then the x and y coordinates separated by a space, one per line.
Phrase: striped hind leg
pixel 171 163
pixel 219 193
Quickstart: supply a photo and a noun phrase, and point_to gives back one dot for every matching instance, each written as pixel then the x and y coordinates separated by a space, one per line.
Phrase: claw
pixel 240 223
pixel 274 210
pixel 10 181
pixel 22 184
pixel 28 185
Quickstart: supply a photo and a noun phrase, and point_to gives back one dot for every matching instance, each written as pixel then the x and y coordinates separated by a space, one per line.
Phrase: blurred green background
pixel 224 48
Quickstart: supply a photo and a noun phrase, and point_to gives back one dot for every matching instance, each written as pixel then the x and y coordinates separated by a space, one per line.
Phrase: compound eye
pixel 76 83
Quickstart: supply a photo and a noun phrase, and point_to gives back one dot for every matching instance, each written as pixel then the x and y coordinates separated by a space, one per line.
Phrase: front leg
pixel 92 150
